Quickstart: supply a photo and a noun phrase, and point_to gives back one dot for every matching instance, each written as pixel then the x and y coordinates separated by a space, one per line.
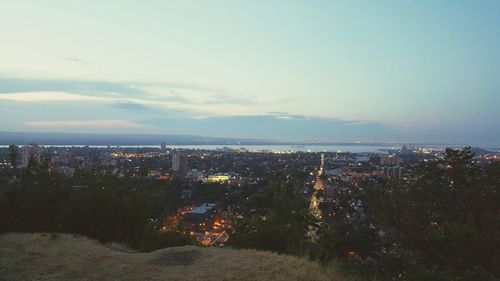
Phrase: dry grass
pixel 69 257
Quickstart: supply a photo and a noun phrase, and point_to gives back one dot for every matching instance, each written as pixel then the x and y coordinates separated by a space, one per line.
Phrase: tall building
pixel 390 160
pixel 179 164
pixel 390 166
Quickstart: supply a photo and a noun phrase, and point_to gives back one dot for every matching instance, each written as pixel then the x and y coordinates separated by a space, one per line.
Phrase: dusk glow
pixel 258 140
pixel 405 71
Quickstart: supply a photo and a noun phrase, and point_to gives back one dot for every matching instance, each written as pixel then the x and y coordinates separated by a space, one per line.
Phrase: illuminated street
pixel 314 204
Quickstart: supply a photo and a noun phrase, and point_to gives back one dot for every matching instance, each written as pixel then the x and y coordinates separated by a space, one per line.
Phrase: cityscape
pixel 259 140
pixel 212 194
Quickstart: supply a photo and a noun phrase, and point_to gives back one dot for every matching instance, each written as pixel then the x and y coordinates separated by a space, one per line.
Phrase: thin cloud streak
pixel 130 88
pixel 78 60
pixel 127 105
pixel 197 99
pixel 50 96
pixel 193 109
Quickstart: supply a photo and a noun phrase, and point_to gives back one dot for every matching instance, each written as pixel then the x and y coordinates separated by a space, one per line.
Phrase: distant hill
pixel 20 138
pixel 70 257
pixel 113 139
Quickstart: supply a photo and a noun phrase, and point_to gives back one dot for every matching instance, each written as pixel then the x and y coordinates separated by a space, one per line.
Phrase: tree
pixel 449 217
pixel 13 152
pixel 281 223
pixel 102 207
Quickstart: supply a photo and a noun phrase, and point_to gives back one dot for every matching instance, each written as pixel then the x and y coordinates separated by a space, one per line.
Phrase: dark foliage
pixel 280 223
pixel 98 206
pixel 444 224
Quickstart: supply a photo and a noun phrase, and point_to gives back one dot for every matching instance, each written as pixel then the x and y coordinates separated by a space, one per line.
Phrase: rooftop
pixel 202 209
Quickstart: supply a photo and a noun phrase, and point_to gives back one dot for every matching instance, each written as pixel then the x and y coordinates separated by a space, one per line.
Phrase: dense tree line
pixel 99 206
pixel 443 224
pixel 278 220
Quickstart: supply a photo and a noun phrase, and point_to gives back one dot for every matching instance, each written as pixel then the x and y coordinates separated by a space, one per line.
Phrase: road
pixel 314 203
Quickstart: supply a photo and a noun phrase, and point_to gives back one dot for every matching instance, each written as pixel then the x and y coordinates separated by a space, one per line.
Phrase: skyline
pixel 404 71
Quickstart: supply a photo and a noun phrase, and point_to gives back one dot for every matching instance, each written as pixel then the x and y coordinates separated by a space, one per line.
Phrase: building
pixel 179 164
pixel 390 160
pixel 335 172
pixel 202 217
pixel 390 166
pixel 330 192
pixel 195 174
pixel 219 178
pixel 390 172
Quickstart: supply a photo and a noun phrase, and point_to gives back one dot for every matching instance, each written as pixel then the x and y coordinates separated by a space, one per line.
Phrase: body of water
pixel 295 148
pixel 275 148
pixel 256 148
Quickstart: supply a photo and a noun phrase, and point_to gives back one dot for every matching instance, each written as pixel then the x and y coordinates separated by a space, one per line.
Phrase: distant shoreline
pixel 78 139
pixel 152 140
pixel 344 148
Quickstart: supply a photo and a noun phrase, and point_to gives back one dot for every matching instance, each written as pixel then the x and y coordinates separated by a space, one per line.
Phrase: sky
pixel 404 71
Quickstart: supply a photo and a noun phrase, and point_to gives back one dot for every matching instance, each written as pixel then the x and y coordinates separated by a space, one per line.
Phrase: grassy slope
pixel 69 257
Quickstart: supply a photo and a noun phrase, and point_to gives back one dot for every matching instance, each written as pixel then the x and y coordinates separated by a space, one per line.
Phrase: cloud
pixel 86 124
pixel 275 126
pixel 86 87
pixel 288 116
pixel 146 105
pixel 127 105
pixel 192 98
pixel 180 109
pixel 48 96
pixel 78 60
pixel 128 88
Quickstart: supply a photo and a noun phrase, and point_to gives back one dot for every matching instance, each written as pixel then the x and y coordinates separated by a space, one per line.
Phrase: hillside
pixel 69 257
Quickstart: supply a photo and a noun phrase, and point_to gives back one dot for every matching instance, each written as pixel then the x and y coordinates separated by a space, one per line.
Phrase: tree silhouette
pixel 448 216
pixel 13 153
